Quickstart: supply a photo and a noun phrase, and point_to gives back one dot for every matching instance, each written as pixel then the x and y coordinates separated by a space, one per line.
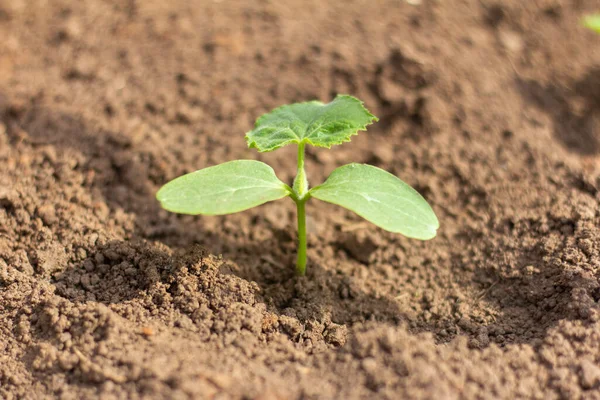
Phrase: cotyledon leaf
pixel 312 122
pixel 223 189
pixel 380 198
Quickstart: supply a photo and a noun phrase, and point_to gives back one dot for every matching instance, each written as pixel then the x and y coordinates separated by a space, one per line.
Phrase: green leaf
pixel 380 198
pixel 223 189
pixel 312 122
pixel 592 22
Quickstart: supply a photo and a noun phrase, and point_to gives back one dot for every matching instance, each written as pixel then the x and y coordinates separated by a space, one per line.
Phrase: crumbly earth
pixel 490 109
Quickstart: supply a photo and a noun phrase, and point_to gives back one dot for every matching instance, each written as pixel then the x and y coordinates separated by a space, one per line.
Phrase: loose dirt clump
pixel 490 110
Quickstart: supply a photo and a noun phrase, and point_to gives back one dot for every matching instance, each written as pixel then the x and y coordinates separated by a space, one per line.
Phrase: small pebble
pixel 48 214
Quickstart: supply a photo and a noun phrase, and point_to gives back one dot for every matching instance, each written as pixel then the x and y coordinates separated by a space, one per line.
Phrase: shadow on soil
pixel 121 175
pixel 528 290
pixel 121 271
pixel 574 110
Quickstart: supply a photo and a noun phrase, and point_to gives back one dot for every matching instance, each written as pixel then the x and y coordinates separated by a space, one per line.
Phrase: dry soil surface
pixel 490 109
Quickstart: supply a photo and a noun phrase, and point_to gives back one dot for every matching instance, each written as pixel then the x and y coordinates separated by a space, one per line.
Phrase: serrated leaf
pixel 592 22
pixel 380 198
pixel 312 123
pixel 223 189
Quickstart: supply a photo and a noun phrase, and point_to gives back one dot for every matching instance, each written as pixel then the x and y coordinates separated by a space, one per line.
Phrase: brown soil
pixel 490 109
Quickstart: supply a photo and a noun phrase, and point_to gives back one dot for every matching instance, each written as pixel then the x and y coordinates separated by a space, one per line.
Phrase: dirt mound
pixel 492 111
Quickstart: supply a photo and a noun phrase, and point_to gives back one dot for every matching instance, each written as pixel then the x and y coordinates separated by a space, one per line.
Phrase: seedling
pixel 592 22
pixel 371 192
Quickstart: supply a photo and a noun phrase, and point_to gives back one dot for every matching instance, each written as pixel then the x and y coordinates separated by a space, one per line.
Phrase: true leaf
pixel 380 198
pixel 313 123
pixel 592 22
pixel 223 189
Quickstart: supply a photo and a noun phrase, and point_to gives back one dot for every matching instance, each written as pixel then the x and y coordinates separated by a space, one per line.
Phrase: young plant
pixel 592 22
pixel 372 193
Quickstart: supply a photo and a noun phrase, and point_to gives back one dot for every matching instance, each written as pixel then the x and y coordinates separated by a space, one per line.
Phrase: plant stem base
pixel 301 260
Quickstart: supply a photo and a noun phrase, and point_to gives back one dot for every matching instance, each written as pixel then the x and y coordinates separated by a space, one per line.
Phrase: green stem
pixel 300 189
pixel 301 260
pixel 301 155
